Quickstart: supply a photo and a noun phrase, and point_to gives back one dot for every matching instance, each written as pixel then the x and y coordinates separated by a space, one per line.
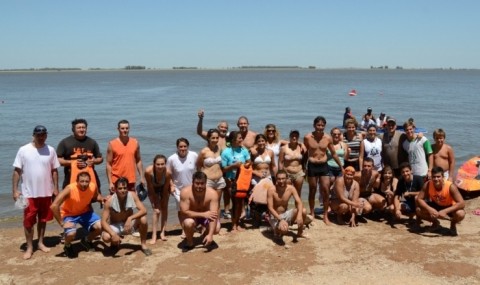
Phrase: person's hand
pixel 352 222
pixel 156 210
pixel 299 220
pixel 128 225
pixel 398 214
pixel 207 240
pixel 211 215
pixel 68 225
pixel 201 113
pixel 433 213
pixel 111 188
pixel 443 215
pixel 283 226
pixel 116 240
pixel 15 195
pixel 90 161
pixel 81 163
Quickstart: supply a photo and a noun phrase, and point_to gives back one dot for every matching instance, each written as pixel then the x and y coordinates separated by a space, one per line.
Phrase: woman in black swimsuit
pixel 159 190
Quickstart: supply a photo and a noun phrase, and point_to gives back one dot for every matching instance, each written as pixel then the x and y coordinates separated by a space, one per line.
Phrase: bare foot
pixel 152 241
pixel 28 254
pixel 43 247
pixel 326 220
pixel 163 236
pixel 303 235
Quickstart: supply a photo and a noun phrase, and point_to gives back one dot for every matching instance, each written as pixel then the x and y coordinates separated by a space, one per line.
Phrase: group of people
pixel 355 173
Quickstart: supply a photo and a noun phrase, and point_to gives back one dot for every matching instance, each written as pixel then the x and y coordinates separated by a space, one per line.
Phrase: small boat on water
pixel 353 92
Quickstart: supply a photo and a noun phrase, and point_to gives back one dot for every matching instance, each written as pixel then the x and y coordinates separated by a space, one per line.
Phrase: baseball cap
pixel 39 130
pixel 391 119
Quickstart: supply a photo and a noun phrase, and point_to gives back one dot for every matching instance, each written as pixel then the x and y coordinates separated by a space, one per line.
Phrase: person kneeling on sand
pixel 199 209
pixel 440 199
pixel 277 201
pixel 72 206
pixel 119 219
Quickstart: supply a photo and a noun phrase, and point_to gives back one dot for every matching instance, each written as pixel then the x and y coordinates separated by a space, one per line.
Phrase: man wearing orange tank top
pixel 124 158
pixel 440 199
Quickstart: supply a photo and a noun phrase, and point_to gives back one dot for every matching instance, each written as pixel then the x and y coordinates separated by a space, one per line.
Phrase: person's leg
pixel 298 183
pixel 164 217
pixel 143 230
pixel 457 217
pixel 325 189
pixel 312 190
pixel 377 201
pixel 189 226
pixel 155 218
pixel 237 212
pixel 29 238
pixel 41 226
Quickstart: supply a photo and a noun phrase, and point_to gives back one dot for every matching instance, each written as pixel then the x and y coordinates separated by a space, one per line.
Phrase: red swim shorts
pixel 37 207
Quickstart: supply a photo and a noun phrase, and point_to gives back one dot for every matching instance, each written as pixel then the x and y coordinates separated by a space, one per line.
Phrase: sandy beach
pixel 373 253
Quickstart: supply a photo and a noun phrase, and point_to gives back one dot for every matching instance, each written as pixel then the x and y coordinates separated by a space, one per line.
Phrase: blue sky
pixel 218 34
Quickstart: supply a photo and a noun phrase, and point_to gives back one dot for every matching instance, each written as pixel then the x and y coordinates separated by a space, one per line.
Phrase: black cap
pixel 369 109
pixel 39 130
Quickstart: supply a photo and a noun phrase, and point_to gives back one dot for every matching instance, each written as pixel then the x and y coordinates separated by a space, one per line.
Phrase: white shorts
pixel 287 216
pixel 118 228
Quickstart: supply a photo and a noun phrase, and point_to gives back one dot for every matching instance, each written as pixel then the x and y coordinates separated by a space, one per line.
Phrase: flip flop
pixel 146 251
pixel 476 212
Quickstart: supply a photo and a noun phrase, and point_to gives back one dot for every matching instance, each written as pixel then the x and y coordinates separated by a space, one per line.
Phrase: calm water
pixel 162 105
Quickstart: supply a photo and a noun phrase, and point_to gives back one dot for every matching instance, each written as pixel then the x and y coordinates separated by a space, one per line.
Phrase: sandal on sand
pixel 146 251
pixel 476 212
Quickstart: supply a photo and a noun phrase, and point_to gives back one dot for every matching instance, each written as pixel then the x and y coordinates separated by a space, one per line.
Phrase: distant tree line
pixel 134 67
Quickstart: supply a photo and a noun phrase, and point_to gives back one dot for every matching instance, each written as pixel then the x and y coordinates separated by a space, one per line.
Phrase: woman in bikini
pixel 209 162
pixel 159 190
pixel 388 185
pixel 291 159
pixel 263 160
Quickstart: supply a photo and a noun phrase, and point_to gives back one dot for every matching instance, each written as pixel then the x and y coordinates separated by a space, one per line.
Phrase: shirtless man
pixel 317 143
pixel 277 202
pixel 443 155
pixel 247 135
pixel 440 199
pixel 199 207
pixel 118 218
pixel 369 180
pixel 222 128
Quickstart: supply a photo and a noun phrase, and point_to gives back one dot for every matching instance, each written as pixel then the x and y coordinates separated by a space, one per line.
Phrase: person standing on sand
pixel 371 147
pixel 222 128
pixel 72 207
pixel 317 143
pixel 79 152
pixel 118 218
pixel 419 151
pixel 124 158
pixel 280 216
pixel 36 165
pixel 159 186
pixel 199 207
pixel 291 159
pixel 247 135
pixel 182 165
pixel 393 153
pixel 353 141
pixel 440 199
pixel 443 155
pixel 210 162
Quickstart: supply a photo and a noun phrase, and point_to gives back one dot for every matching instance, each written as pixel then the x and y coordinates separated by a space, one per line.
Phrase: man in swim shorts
pixel 36 166
pixel 118 217
pixel 440 199
pixel 317 143
pixel 277 201
pixel 72 207
pixel 443 155
pixel 199 208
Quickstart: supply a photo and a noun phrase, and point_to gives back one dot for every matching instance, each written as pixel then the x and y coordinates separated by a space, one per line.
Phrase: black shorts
pixel 317 169
pixel 438 208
